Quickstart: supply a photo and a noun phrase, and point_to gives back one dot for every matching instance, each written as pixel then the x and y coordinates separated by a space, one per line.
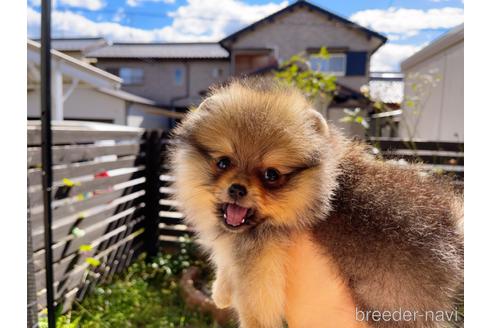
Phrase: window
pixel 335 64
pixel 132 76
pixel 217 72
pixel 178 76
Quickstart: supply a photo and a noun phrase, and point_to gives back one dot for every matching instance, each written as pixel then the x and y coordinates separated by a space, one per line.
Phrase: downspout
pixel 232 58
pixel 232 63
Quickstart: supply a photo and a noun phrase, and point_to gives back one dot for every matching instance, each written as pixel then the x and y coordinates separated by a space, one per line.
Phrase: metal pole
pixel 152 195
pixel 46 152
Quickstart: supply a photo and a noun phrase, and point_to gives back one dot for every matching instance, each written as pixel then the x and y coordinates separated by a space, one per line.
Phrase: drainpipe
pixel 232 67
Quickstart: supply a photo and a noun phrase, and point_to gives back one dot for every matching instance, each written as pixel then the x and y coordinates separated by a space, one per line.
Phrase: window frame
pixel 334 55
pixel 133 80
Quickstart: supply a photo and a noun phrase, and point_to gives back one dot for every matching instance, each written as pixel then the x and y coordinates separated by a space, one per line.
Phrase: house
pixel 434 90
pixel 78 47
pixel 178 75
pixel 305 27
pixel 172 74
pixel 84 92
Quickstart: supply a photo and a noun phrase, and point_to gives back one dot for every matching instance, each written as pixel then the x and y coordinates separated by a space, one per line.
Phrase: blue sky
pixel 409 25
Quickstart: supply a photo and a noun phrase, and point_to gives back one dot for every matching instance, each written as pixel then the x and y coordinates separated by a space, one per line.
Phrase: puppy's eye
pixel 223 163
pixel 271 175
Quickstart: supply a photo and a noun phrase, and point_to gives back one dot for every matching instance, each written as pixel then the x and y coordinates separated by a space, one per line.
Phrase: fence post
pixel 152 195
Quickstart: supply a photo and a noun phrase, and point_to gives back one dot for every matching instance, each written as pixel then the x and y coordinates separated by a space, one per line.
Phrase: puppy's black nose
pixel 237 191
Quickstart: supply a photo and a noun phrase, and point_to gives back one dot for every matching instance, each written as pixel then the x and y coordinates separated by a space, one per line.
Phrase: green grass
pixel 146 295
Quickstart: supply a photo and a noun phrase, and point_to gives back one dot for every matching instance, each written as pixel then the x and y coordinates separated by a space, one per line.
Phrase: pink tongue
pixel 235 214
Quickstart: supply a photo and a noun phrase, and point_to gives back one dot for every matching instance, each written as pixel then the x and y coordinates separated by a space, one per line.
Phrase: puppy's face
pixel 247 158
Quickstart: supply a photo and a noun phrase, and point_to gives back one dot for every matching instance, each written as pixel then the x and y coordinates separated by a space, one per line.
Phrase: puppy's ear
pixel 318 122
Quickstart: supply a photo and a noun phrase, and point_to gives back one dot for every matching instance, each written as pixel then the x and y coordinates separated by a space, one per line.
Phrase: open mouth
pixel 236 216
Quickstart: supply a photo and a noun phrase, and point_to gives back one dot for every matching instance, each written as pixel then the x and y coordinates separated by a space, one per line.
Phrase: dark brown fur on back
pixel 395 236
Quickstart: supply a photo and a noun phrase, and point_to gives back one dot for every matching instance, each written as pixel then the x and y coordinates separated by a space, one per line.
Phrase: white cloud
pixel 198 20
pixel 87 4
pixel 119 15
pixel 389 56
pixel 134 3
pixel 33 23
pixel 215 18
pixel 69 24
pixel 408 22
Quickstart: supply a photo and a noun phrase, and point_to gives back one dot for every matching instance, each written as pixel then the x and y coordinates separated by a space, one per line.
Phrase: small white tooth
pixel 225 216
pixel 243 220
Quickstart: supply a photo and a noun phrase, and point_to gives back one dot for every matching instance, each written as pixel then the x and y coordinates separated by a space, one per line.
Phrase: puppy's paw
pixel 221 296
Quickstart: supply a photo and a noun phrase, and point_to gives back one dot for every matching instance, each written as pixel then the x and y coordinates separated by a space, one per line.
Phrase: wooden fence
pixel 439 157
pixel 171 225
pixel 111 200
pixel 105 203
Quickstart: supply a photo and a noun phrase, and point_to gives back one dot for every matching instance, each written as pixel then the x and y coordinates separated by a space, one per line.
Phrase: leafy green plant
pixel 63 321
pixel 146 295
pixel 354 116
pixel 300 71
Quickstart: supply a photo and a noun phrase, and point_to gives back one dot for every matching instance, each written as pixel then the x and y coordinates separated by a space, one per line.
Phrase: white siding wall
pixel 84 104
pixel 442 115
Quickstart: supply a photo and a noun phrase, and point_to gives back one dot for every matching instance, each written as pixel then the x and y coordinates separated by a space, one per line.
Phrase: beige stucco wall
pixel 441 116
pixel 159 84
pixel 202 77
pixel 84 103
pixel 295 32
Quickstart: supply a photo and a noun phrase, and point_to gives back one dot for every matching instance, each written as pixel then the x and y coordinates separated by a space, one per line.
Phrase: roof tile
pixel 161 50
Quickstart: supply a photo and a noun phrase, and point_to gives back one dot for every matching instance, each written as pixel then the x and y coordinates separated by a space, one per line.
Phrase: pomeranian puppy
pixel 305 226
